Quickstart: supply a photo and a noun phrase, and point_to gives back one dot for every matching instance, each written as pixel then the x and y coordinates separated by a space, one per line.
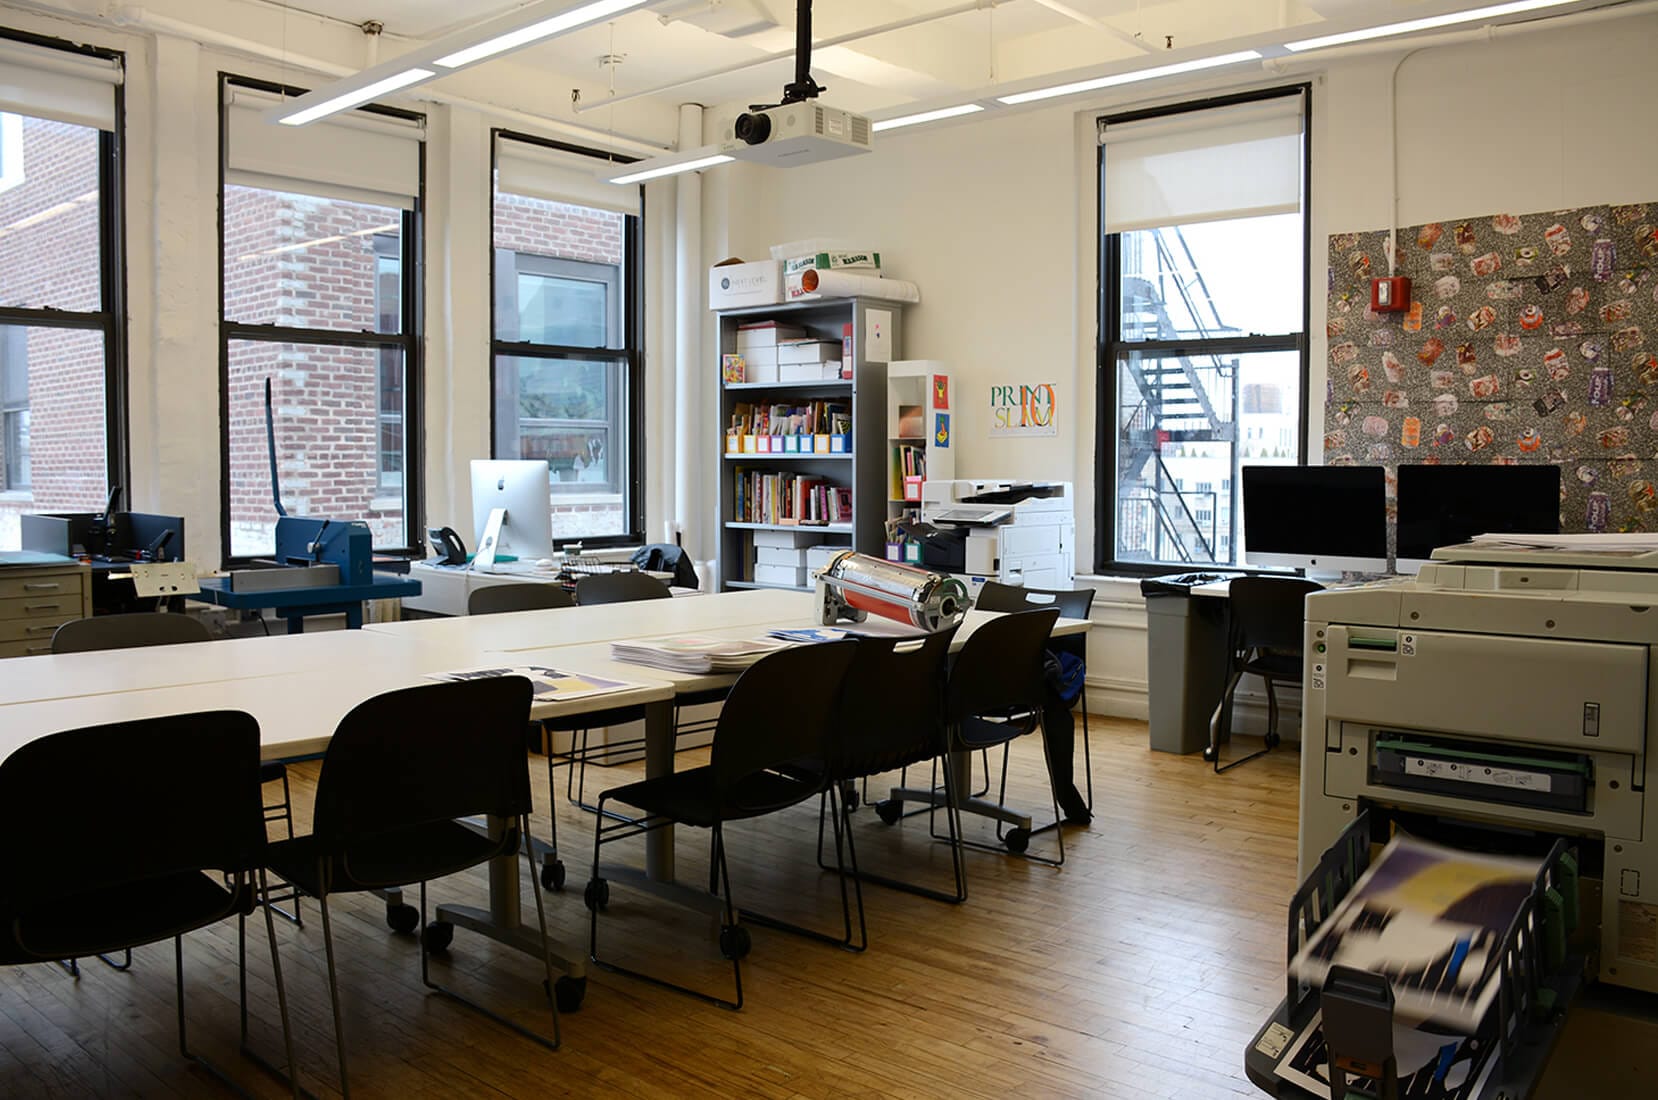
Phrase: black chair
pixel 401 771
pixel 597 588
pixel 1073 603
pixel 140 629
pixel 1266 615
pixel 665 557
pixel 182 795
pixel 497 598
pixel 769 748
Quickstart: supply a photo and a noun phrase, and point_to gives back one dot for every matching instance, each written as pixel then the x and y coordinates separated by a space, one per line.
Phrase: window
pixel 566 353
pixel 1203 311
pixel 320 235
pixel 62 337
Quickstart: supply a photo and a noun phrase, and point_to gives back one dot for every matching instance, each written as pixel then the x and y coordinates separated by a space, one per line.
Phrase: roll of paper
pixel 843 284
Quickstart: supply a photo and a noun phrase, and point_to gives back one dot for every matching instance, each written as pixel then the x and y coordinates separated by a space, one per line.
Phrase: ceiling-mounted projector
pixel 803 132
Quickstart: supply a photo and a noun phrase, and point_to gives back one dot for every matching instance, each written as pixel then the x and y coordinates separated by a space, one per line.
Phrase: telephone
pixel 445 541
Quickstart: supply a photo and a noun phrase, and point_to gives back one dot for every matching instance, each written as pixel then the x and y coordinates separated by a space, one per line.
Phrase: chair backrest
pixel 1268 612
pixel 112 805
pixel 1073 603
pixel 665 557
pixel 780 710
pixel 891 711
pixel 132 631
pixel 619 588
pixel 999 667
pixel 425 754
pixel 494 599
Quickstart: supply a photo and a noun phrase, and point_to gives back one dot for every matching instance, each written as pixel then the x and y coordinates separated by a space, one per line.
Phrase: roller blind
pixel 1202 166
pixel 538 172
pixel 355 156
pixel 58 84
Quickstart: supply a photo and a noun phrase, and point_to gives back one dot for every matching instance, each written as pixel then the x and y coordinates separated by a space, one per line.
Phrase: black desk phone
pixel 449 544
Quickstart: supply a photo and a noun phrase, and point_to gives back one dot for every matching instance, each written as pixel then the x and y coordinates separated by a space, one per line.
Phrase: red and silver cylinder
pixel 855 585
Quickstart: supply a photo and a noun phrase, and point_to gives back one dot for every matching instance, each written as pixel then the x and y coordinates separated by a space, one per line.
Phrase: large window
pixel 62 420
pixel 1202 320
pixel 321 251
pixel 566 350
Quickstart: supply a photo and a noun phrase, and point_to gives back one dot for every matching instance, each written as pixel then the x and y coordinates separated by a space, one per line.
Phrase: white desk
pixel 445 589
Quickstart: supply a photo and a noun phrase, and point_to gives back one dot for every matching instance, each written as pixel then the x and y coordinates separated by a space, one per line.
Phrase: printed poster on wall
pixel 941 431
pixel 1024 409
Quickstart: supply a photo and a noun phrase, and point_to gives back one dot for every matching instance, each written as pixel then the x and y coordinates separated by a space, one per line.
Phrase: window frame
pixel 410 341
pixel 630 355
pixel 1109 345
pixel 110 320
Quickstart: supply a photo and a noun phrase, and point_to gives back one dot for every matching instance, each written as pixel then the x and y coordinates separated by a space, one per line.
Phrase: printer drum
pixel 1467 769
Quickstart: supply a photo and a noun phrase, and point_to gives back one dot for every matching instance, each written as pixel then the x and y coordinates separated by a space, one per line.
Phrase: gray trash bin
pixel 1185 659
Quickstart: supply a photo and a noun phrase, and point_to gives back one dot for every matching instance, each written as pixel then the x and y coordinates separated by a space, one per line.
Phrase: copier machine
pixel 1016 532
pixel 1507 693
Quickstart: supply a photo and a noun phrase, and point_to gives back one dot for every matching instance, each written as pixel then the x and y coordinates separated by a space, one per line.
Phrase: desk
pixel 294 604
pixel 445 588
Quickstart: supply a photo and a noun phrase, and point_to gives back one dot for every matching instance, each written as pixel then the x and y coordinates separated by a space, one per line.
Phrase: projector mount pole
pixel 804 87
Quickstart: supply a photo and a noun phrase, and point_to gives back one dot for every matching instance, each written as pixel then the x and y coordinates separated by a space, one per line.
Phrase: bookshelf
pixel 921 396
pixel 847 482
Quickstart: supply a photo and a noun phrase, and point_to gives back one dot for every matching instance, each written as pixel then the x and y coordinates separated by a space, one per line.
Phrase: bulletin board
pixel 1530 338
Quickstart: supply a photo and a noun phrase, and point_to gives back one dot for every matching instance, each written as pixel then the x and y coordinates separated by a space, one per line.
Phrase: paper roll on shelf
pixel 844 284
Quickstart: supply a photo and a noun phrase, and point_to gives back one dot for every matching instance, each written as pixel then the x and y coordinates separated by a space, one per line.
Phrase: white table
pixel 444 589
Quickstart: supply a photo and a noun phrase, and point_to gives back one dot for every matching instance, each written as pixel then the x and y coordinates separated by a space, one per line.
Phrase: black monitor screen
pixel 1447 505
pixel 1315 511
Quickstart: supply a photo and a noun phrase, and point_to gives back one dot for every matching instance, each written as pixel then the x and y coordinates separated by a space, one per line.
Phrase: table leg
pixel 296 624
pixel 354 617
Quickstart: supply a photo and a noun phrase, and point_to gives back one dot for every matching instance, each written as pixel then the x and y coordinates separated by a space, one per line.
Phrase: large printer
pixel 1508 692
pixel 1016 532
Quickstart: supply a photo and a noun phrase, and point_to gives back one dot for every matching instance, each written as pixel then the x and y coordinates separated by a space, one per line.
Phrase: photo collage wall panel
pixel 1530 338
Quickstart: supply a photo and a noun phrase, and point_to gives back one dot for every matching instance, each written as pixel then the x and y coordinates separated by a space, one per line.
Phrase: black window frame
pixel 110 320
pixel 630 355
pixel 410 341
pixel 1109 343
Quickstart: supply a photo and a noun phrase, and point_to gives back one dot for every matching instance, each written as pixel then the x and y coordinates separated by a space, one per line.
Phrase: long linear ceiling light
pixel 1195 65
pixel 926 116
pixel 536 22
pixel 1430 22
pixel 671 165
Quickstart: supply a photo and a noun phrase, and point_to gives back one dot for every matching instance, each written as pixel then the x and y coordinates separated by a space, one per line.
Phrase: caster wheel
pixel 552 875
pixel 889 810
pixel 1272 740
pixel 735 941
pixel 1209 755
pixel 1016 840
pixel 597 895
pixel 849 798
pixel 402 918
pixel 437 937
pixel 568 992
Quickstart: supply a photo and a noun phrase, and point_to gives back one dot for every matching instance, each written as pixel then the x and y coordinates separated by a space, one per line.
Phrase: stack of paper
pixel 694 654
pixel 551 685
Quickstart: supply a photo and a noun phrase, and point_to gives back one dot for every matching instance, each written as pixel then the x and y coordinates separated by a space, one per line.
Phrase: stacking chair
pixel 182 795
pixel 1266 616
pixel 1073 603
pixel 600 588
pixel 769 751
pixel 401 771
pixel 494 599
pixel 140 629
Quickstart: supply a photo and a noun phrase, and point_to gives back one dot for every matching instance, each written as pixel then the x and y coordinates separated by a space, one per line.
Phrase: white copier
pixel 1016 532
pixel 1505 691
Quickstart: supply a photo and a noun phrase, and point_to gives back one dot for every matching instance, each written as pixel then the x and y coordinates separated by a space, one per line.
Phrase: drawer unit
pixel 37 599
pixel 37 629
pixel 26 649
pixel 67 584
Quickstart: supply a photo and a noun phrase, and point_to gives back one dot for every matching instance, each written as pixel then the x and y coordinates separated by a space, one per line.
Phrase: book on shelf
pixel 694 653
pixel 789 499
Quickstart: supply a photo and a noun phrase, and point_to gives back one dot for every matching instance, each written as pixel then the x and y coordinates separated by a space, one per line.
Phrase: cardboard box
pixel 841 260
pixel 791 575
pixel 733 286
pixel 809 351
pixel 759 372
pixel 786 539
pixel 841 444
pixel 793 556
pixel 766 334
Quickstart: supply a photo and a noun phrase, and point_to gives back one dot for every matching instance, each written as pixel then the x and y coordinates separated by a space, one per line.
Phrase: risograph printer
pixel 1503 697
pixel 1016 532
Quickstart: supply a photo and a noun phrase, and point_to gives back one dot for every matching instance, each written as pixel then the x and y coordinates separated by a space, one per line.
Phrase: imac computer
pixel 1447 505
pixel 1324 519
pixel 519 492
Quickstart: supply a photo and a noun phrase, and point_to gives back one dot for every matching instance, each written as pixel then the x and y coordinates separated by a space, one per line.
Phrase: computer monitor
pixel 1447 505
pixel 1324 519
pixel 522 488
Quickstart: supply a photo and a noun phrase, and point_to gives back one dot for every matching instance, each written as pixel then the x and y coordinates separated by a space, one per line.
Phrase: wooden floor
pixel 1140 969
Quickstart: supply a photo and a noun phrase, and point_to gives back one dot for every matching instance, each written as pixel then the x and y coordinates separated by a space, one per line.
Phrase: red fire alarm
pixel 1390 295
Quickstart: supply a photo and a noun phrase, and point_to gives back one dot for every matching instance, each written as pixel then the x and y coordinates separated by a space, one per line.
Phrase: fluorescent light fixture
pixel 523 36
pixel 347 100
pixel 1195 65
pixel 1493 11
pixel 640 171
pixel 926 116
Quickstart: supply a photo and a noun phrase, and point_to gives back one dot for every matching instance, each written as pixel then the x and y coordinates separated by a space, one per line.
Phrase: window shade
pixel 553 174
pixel 59 85
pixel 355 156
pixel 1203 166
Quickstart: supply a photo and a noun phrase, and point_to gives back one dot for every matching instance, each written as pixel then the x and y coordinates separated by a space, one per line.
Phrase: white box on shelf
pixel 733 286
pixel 760 372
pixel 818 557
pixel 786 539
pixel 781 555
pixel 803 372
pixel 791 575
pixel 809 351
pixel 766 334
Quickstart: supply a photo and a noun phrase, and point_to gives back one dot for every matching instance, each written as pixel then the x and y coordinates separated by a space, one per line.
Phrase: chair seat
pixel 119 917
pixel 990 730
pixel 426 851
pixel 1279 666
pixel 689 797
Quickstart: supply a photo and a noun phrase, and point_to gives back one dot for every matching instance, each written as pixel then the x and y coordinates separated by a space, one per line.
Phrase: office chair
pixel 1073 603
pixel 182 794
pixel 497 598
pixel 665 557
pixel 401 771
pixel 597 588
pixel 769 748
pixel 140 629
pixel 1265 639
